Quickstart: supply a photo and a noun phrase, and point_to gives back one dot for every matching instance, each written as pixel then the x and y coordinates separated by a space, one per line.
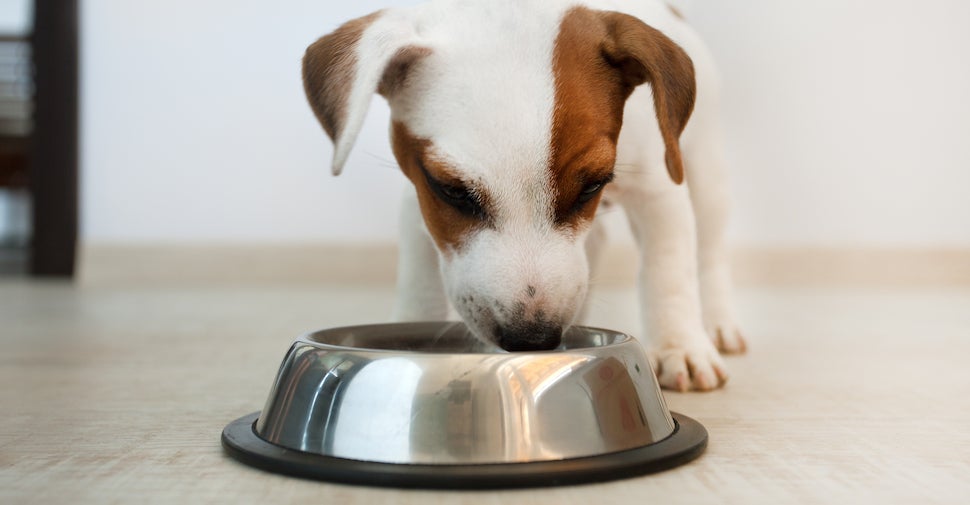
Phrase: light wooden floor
pixel 118 394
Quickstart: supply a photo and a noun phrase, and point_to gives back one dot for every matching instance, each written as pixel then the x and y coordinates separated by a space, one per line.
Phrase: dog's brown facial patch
pixel 587 117
pixel 452 208
pixel 643 54
pixel 599 58
pixel 329 70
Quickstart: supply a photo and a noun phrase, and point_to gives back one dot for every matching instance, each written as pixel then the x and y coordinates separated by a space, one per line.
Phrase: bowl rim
pixel 619 339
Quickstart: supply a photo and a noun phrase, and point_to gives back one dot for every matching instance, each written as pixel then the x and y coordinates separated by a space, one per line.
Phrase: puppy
pixel 514 119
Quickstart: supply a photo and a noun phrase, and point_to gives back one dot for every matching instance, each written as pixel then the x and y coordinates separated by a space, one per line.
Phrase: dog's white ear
pixel 643 54
pixel 343 70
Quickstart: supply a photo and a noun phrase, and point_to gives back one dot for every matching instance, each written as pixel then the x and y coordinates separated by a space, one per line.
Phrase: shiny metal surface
pixel 430 393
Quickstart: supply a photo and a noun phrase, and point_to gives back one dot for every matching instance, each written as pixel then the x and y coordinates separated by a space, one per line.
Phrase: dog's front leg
pixel 594 245
pixel 420 291
pixel 662 220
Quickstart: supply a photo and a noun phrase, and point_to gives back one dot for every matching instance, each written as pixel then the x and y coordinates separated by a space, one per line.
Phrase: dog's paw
pixel 697 366
pixel 725 334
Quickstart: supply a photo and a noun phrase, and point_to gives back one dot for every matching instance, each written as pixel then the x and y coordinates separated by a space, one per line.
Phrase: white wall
pixel 848 122
pixel 195 127
pixel 849 119
pixel 15 16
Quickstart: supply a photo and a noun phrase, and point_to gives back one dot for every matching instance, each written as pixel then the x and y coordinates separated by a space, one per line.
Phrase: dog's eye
pixel 590 191
pixel 455 193
pixel 460 198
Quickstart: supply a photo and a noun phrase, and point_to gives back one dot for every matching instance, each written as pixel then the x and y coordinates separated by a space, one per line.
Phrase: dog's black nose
pixel 530 337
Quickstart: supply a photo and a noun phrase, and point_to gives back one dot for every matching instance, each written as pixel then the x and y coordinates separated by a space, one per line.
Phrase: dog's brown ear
pixel 643 54
pixel 343 70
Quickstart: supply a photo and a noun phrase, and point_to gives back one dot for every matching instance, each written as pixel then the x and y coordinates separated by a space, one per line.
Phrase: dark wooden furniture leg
pixel 54 149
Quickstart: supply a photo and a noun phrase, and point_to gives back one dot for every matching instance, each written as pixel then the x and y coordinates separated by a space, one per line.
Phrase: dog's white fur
pixel 486 101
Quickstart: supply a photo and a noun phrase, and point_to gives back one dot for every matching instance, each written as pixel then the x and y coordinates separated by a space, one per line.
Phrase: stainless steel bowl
pixel 426 404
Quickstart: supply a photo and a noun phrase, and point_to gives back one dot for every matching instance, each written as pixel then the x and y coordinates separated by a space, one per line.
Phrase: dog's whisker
pixel 606 210
pixel 382 160
pixel 444 330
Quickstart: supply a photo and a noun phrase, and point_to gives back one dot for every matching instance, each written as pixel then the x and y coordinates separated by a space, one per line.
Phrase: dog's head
pixel 506 120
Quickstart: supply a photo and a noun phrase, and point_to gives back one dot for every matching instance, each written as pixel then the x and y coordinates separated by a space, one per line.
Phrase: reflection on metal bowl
pixel 413 396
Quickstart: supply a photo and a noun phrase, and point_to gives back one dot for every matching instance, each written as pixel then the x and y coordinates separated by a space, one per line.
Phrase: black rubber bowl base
pixel 686 443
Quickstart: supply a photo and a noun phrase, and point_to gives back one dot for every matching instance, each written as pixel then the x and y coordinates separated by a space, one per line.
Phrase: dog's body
pixel 513 118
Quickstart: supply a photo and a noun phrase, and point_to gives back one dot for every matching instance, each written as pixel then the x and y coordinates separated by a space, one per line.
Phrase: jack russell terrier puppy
pixel 513 119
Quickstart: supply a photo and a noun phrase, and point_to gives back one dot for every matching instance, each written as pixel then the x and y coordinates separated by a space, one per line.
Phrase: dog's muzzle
pixel 534 336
